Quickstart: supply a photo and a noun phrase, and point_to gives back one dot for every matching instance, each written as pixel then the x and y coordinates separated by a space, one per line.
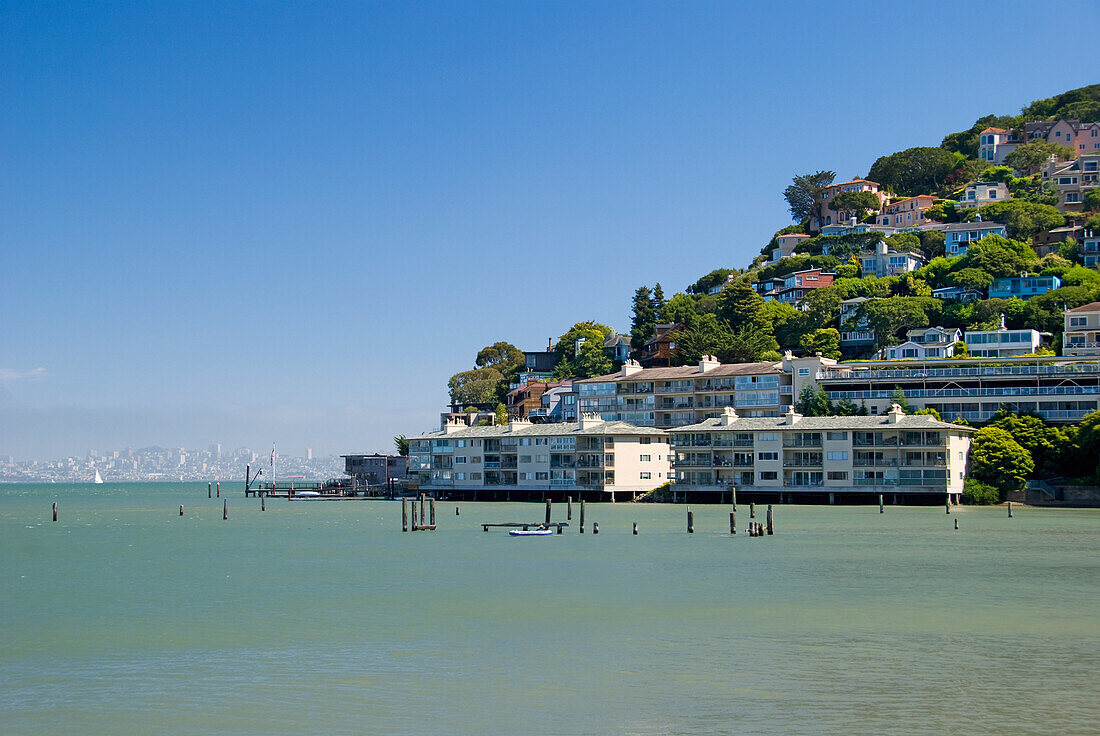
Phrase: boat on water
pixel 530 532
pixel 98 478
pixel 306 494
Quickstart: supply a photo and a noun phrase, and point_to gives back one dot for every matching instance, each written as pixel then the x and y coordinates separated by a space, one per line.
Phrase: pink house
pixel 785 245
pixel 908 212
pixel 826 216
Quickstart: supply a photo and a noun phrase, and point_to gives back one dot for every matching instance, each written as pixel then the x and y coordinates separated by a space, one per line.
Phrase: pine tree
pixel 644 324
pixel 659 303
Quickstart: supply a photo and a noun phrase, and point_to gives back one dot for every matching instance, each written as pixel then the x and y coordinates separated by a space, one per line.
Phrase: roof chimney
pixel 791 416
pixel 895 413
pixel 630 367
pixel 590 420
pixel 729 416
pixel 880 247
pixel 707 362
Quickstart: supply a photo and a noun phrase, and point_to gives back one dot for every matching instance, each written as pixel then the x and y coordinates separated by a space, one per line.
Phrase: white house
pixel 885 262
pixel 923 343
pixel 1002 342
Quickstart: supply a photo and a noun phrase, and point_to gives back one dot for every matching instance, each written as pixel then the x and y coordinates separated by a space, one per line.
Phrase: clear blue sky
pixel 246 223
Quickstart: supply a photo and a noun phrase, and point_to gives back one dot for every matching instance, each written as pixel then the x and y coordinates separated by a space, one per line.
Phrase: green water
pixel 322 617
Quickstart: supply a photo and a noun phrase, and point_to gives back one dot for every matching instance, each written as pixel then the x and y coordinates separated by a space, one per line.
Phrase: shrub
pixel 976 493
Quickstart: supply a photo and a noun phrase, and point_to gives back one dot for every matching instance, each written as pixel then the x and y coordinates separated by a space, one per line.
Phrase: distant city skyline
pixel 293 222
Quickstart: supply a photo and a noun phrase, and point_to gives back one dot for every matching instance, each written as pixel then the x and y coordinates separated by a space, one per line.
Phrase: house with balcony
pixel 1090 249
pixel 522 461
pixel 1022 287
pixel 981 193
pixel 883 261
pixel 1072 180
pixel 1056 388
pixel 801 457
pixel 796 285
pixel 852 227
pixel 825 216
pixel 785 245
pixel 658 350
pixel 923 343
pixel 1082 330
pixel 996 143
pixel 1002 342
pixel 959 235
pixel 1079 137
pixel 856 334
pixel 907 212
pixel 375 469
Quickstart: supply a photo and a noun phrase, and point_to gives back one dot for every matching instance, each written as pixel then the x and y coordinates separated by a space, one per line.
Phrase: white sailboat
pixel 98 477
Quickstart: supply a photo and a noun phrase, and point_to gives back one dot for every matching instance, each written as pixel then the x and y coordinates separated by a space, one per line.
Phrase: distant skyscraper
pixel 309 453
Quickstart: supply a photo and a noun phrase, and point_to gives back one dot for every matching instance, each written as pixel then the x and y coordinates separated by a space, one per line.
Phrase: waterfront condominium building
pixel 795 455
pixel 1058 389
pixel 592 458
pixel 673 397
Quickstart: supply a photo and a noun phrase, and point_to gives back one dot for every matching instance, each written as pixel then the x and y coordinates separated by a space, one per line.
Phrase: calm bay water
pixel 322 617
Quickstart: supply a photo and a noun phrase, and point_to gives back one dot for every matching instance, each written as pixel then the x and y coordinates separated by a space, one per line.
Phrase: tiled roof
pixel 691 371
pixel 762 424
pixel 1093 307
pixel 565 429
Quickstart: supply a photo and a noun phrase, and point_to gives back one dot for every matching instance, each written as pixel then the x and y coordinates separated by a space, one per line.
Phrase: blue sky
pixel 246 223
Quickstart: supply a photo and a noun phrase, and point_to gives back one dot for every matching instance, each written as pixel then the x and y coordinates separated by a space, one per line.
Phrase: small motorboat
pixel 307 494
pixel 530 532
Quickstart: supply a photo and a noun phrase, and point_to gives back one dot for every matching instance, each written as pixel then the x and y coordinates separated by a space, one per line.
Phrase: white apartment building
pixel 1082 330
pixel 855 333
pixel 796 455
pixel 885 262
pixel 1002 342
pixel 981 193
pixel 525 461
pixel 672 397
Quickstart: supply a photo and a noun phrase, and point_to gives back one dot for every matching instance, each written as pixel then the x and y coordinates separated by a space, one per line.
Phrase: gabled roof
pixel 1093 307
pixel 561 429
pixel 857 423
pixel 691 371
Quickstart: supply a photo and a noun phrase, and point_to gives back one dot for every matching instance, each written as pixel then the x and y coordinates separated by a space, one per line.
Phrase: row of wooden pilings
pixel 406 504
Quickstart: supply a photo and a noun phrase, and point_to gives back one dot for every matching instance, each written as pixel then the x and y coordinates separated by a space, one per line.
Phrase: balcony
pixel 792 442
pixel 875 482
pixel 675 389
pixel 880 462
pixel 990 371
pixel 803 460
pixel 671 405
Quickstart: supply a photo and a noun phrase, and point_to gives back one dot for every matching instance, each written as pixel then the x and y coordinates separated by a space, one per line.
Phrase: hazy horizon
pixel 253 223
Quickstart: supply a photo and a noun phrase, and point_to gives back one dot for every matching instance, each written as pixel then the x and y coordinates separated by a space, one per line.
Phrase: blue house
pixel 958 236
pixel 1023 287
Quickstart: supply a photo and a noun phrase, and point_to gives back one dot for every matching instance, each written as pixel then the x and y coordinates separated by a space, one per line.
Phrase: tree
pixel 806 193
pixel 1091 200
pixel 1022 220
pixel 681 308
pixel 999 460
pixel 976 493
pixel 825 341
pixel 997 257
pixel 402 445
pixel 591 360
pixel 1031 156
pixel 889 317
pixel 1045 443
pixel 974 278
pixel 861 202
pixel 704 335
pixel 659 302
pixel 742 310
pixel 920 170
pixel 567 348
pixel 501 414
pixel 813 403
pixel 499 355
pixel 787 322
pixel 966 141
pixel 716 277
pixel 478 386
pixel 898 397
pixel 643 324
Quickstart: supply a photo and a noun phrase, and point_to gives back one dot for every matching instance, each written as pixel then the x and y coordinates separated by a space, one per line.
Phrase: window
pixel 643 441
pixel 525 476
pixel 460 460
pixel 838 475
pixel 769 475
pixel 475 459
pixel 524 441
pixel 645 458
pixel 836 435
pixel 1073 197
pixel 992 193
pixel 460 443
pixel 542 458
pixel 645 476
pixel 541 441
pixel 525 458
pixel 542 476
pixel 767 437
pixel 838 455
pixel 475 476
pixel 767 456
pixel 460 476
pixel 803 371
pixel 1078 321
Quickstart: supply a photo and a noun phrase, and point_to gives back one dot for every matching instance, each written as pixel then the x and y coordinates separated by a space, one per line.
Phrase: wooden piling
pixel 752 510
pixel 225 510
pixel 635 528
pixel 733 522
pixel 209 490
pixel 691 522
pixel 247 477
pixel 1010 509
pixel 456 511
pixel 219 490
pixel 548 512
pixel 405 516
pixel 880 508
pixel 431 510
pixel 947 505
pixel 595 527
pixel 733 498
pixel 569 508
pixel 421 509
pixel 263 503
pixel 771 529
pixel 181 509
pixel 956 522
pixel 55 510
pixel 582 516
